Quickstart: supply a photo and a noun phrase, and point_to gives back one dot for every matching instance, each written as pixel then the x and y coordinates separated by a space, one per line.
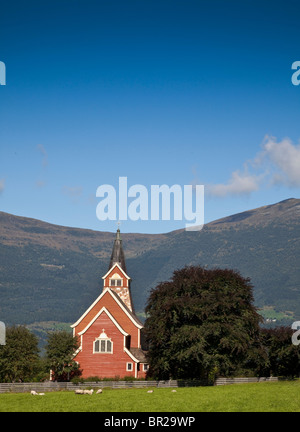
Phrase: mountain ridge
pixel 53 273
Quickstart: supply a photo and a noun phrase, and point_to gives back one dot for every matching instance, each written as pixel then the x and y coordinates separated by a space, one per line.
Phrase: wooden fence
pixel 47 386
pixel 225 381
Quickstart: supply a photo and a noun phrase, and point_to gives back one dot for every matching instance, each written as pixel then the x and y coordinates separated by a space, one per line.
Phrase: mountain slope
pixel 53 273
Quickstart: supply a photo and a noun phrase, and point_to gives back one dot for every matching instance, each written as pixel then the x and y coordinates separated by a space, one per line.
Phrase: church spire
pixel 116 278
pixel 117 256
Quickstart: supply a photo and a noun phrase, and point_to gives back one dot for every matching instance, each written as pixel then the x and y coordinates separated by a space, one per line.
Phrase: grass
pixel 271 313
pixel 282 396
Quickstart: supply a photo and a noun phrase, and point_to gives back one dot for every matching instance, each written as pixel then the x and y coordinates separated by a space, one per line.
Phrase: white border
pixel 110 316
pixel 97 300
pixel 105 276
pixel 129 370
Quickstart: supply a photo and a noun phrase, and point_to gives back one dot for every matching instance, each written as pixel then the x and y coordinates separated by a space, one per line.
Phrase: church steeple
pixel 116 278
pixel 117 256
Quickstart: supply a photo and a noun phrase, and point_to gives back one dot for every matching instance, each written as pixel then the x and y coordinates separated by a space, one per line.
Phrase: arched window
pixel 103 344
pixel 116 280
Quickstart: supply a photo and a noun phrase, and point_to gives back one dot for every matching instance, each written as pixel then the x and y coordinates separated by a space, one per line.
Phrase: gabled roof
pixel 136 354
pixel 139 354
pixel 118 300
pixel 110 316
pixel 110 270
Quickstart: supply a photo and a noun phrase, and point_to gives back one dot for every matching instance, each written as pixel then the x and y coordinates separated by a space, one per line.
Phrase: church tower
pixel 116 278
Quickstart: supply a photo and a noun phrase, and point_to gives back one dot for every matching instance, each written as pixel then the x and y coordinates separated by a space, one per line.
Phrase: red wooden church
pixel 109 331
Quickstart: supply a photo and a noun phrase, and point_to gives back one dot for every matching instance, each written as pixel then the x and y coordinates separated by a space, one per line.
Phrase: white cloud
pixel 278 163
pixel 238 184
pixel 286 158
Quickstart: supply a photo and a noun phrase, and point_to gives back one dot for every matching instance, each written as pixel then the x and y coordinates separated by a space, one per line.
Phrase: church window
pixel 115 280
pixel 96 345
pixel 129 366
pixel 103 344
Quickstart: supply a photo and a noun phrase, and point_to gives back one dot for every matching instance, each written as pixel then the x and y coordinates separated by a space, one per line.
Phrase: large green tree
pixel 202 322
pixel 283 356
pixel 19 359
pixel 60 349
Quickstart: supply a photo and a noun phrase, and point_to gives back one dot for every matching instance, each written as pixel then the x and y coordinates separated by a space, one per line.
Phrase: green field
pixel 282 396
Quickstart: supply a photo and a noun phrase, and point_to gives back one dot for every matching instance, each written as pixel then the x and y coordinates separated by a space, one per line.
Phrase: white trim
pixel 129 370
pixel 79 348
pixel 118 302
pixel 103 352
pixel 77 351
pixel 131 355
pixel 90 308
pixel 110 316
pixel 105 276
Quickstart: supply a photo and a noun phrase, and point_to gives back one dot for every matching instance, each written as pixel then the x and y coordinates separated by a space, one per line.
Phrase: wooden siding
pixel 107 365
pixel 117 312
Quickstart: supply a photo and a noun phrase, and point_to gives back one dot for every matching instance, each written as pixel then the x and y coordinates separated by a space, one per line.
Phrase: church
pixel 109 331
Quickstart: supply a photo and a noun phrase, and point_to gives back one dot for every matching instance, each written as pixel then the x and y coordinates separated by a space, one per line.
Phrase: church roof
pixel 117 255
pixel 129 312
pixel 115 296
pixel 139 354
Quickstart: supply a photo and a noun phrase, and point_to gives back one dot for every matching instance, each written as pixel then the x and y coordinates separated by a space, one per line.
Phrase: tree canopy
pixel 283 356
pixel 60 349
pixel 19 358
pixel 201 322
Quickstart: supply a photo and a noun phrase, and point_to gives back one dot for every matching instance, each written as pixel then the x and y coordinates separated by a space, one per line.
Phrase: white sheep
pixel 150 391
pixel 79 391
pixel 90 392
pixel 34 393
pixel 99 391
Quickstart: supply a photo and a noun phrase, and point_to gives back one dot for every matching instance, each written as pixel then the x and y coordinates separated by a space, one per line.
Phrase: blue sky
pixel 161 92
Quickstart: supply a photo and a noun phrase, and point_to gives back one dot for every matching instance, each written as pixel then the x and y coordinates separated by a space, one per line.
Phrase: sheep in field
pixel 34 393
pixel 90 392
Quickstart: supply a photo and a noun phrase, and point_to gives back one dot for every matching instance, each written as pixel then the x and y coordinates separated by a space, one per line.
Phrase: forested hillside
pixel 53 273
